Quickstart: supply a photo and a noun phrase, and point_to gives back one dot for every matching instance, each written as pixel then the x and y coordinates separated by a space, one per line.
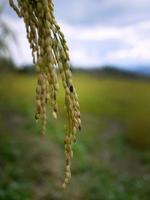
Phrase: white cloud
pixel 90 33
pixel 104 12
pixel 20 51
pixel 134 43
pixel 131 44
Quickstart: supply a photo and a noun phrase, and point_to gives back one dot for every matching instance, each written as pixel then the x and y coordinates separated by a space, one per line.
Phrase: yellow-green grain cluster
pixel 50 54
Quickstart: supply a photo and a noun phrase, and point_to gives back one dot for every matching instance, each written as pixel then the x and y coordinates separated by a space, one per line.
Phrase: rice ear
pixel 49 50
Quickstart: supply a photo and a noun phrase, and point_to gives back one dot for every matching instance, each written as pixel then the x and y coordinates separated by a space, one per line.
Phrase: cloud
pixel 105 44
pixel 98 32
pixel 20 51
pixel 104 12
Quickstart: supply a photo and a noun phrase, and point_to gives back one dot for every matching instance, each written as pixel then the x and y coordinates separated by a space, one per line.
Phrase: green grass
pixel 112 157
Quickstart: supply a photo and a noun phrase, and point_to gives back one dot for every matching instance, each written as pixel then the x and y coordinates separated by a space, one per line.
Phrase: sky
pixel 98 32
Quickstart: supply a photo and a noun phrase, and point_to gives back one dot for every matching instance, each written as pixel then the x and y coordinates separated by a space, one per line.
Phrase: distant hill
pixel 137 72
pixel 142 70
pixel 6 65
pixel 114 71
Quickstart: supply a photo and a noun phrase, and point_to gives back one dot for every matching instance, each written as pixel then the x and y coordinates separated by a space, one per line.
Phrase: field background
pixel 112 154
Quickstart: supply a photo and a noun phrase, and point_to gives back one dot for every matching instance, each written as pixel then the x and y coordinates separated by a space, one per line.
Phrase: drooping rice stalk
pixel 49 52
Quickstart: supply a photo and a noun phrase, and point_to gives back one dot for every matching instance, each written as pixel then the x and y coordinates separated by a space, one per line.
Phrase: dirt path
pixel 38 157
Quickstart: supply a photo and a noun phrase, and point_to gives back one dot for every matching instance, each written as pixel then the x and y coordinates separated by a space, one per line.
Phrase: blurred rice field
pixel 112 155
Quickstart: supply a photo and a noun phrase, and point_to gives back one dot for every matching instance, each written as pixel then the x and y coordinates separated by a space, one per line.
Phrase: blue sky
pixel 99 32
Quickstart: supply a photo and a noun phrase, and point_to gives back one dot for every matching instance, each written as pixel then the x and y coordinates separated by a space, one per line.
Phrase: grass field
pixel 112 155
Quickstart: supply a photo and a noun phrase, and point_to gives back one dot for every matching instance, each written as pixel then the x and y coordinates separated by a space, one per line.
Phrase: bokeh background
pixel 109 45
